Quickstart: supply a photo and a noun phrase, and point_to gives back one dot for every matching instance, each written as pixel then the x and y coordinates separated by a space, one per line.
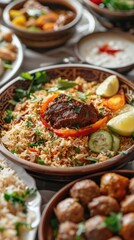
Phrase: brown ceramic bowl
pixel 111 19
pixel 45 39
pixel 70 71
pixel 45 229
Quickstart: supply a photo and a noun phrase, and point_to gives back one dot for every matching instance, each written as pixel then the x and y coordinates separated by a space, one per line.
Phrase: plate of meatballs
pixel 96 207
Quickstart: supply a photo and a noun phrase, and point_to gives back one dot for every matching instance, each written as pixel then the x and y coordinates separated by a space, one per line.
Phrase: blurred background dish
pixel 38 30
pixel 117 16
pixel 12 60
pixel 70 71
pixel 107 49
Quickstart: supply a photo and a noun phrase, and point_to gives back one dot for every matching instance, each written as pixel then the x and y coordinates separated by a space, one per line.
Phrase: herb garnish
pixel 18 225
pixel 29 123
pixel 38 143
pixel 54 225
pixel 77 150
pixel 93 160
pixel 113 222
pixel 62 85
pixel 40 161
pixel 2 229
pixel 80 231
pixel 9 116
pixel 37 80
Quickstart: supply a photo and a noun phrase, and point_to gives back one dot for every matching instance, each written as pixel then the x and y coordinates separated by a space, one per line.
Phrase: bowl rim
pixel 117 13
pixel 78 7
pixel 124 35
pixel 66 188
pixel 69 171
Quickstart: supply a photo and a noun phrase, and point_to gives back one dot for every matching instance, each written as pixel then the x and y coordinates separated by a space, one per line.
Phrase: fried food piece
pixel 85 191
pixel 114 185
pixel 69 210
pixel 127 230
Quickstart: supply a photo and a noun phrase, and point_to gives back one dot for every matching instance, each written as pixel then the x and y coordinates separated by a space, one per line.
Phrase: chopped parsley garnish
pixel 40 161
pixel 93 160
pixel 62 85
pixel 77 150
pixel 2 229
pixel 80 231
pixel 14 198
pixel 9 116
pixel 87 115
pixel 38 132
pixel 54 225
pixel 113 222
pixel 19 225
pixel 1 167
pixel 15 150
pixel 101 114
pixel 29 123
pixel 132 135
pixel 38 143
pixel 77 109
pixel 37 80
pixel 51 134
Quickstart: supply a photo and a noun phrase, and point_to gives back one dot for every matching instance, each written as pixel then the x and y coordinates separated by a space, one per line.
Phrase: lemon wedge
pixel 122 124
pixel 109 87
pixel 126 108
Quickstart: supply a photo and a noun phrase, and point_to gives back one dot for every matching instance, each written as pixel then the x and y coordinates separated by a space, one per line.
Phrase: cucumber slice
pixel 116 143
pixel 100 141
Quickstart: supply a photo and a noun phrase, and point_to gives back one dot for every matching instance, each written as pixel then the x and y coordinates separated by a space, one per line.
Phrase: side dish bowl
pixel 70 71
pixel 45 39
pixel 111 18
pixel 48 217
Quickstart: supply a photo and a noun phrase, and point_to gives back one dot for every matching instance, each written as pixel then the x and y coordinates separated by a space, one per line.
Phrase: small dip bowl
pixel 111 50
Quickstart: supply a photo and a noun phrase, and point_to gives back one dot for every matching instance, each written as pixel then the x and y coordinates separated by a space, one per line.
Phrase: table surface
pixel 33 59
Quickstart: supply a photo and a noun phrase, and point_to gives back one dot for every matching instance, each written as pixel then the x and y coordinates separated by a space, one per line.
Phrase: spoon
pixel 69 59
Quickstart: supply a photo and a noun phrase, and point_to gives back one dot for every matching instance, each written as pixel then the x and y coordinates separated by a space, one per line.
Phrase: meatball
pixel 94 232
pixel 103 205
pixel 85 191
pixel 67 231
pixel 69 210
pixel 127 230
pixel 114 185
pixel 127 205
pixel 115 238
pixel 131 186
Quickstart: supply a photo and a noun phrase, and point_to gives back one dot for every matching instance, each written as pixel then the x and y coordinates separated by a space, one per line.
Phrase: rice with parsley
pixel 14 218
pixel 29 139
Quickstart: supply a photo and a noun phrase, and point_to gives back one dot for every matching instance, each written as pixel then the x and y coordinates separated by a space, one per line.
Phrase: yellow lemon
pixel 109 87
pixel 126 108
pixel 122 124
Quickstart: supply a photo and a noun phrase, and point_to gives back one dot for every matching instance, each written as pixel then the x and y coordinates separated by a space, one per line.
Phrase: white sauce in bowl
pixel 89 51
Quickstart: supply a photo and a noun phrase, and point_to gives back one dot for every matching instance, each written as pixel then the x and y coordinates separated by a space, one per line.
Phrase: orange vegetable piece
pixel 116 102
pixel 48 18
pixel 48 26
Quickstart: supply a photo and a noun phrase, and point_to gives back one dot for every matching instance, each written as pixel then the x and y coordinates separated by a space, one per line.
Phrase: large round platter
pixel 17 63
pixel 45 229
pixel 70 71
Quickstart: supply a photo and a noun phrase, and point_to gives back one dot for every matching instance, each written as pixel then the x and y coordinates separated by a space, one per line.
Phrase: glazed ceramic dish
pixel 58 168
pixel 33 203
pixel 9 73
pixel 108 49
pixel 49 225
pixel 46 39
pixel 112 19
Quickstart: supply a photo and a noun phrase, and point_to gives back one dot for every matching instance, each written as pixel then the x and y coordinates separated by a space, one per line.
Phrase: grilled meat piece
pixel 68 112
